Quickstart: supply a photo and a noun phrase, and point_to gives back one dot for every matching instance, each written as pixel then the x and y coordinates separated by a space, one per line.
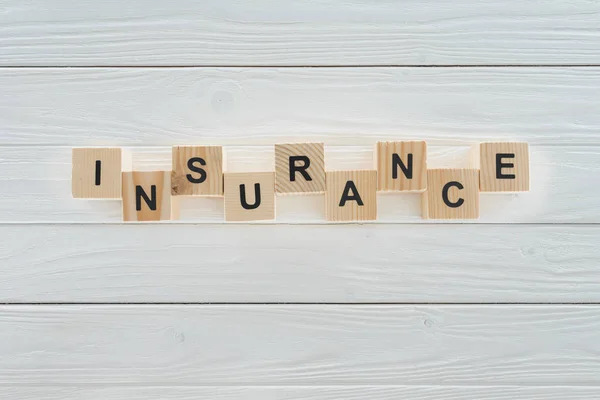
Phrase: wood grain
pixel 338 106
pixel 351 195
pixel 300 263
pixel 461 197
pixel 308 174
pixel 314 32
pixel 157 205
pixel 299 345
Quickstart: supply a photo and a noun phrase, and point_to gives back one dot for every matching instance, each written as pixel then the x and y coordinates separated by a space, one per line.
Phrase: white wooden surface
pixel 312 32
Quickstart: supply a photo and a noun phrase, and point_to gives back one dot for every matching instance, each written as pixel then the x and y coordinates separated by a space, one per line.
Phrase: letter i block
pixel 401 166
pixel 351 195
pixel 300 168
pixel 249 196
pixel 97 173
pixel 197 171
pixel 147 196
pixel 451 194
pixel 504 167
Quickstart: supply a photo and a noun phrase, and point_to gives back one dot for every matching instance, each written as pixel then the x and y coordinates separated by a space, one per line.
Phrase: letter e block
pixel 97 173
pixel 504 167
pixel 197 171
pixel 249 196
pixel 351 195
pixel 300 168
pixel 451 194
pixel 401 166
pixel 147 196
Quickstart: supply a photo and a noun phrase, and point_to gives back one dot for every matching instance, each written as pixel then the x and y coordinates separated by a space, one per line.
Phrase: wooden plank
pixel 35 187
pixel 300 263
pixel 283 345
pixel 302 392
pixel 313 32
pixel 340 106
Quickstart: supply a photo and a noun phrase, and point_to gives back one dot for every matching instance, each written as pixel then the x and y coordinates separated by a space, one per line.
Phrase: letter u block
pixel 249 196
pixel 451 194
pixel 147 196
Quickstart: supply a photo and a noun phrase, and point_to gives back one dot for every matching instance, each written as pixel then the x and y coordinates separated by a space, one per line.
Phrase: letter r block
pixel 504 167
pixel 147 196
pixel 451 194
pixel 197 171
pixel 401 166
pixel 351 195
pixel 249 196
pixel 300 168
pixel 97 173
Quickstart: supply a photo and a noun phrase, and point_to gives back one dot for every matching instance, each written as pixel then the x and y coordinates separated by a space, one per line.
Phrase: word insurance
pixel 299 168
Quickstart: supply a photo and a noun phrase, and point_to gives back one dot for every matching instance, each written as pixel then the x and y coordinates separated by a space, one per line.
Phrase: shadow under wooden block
pixel 401 166
pixel 351 195
pixel 504 167
pixel 300 168
pixel 147 197
pixel 96 172
pixel 451 194
pixel 197 171
pixel 249 196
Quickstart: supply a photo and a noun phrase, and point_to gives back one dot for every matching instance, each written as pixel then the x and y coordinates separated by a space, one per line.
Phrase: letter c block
pixel 451 194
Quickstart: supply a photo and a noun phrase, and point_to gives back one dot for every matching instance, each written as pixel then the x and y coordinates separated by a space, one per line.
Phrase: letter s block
pixel 351 195
pixel 97 173
pixel 300 168
pixel 504 167
pixel 197 171
pixel 249 196
pixel 451 194
pixel 147 196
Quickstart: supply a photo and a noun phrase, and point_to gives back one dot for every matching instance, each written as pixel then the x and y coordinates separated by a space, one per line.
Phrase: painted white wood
pixel 342 106
pixel 299 345
pixel 35 186
pixel 312 32
pixel 302 393
pixel 300 263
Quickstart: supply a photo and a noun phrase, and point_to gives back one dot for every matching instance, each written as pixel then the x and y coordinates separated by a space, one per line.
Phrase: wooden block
pixel 351 195
pixel 97 173
pixel 249 196
pixel 147 196
pixel 451 194
pixel 401 166
pixel 300 168
pixel 197 171
pixel 504 167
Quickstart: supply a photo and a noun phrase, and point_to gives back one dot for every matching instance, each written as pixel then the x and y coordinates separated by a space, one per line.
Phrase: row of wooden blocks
pixel 300 169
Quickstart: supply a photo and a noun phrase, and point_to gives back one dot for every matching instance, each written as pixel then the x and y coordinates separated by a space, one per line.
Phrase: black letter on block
pixel 98 171
pixel 346 195
pixel 397 162
pixel 192 167
pixel 256 197
pixel 139 193
pixel 447 186
pixel 500 165
pixel 302 169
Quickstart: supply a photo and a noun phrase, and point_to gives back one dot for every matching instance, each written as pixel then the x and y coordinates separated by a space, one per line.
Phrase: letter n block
pixel 197 171
pixel 451 194
pixel 504 167
pixel 249 196
pixel 351 195
pixel 147 196
pixel 401 166
pixel 97 173
pixel 300 168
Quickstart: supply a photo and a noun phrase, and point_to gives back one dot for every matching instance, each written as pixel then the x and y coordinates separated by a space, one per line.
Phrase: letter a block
pixel 147 196
pixel 504 167
pixel 451 194
pixel 197 171
pixel 97 173
pixel 249 196
pixel 401 166
pixel 300 168
pixel 351 195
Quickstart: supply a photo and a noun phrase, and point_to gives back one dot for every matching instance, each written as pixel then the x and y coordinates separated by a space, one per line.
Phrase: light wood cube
pixel 401 166
pixel 351 195
pixel 504 167
pixel 249 196
pixel 147 196
pixel 300 168
pixel 197 171
pixel 451 194
pixel 96 173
